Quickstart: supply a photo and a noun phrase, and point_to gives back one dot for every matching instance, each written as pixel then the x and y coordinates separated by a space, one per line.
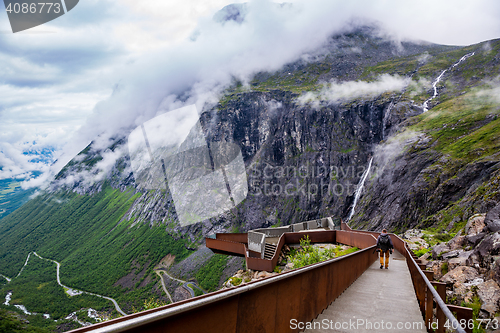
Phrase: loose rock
pixel 489 293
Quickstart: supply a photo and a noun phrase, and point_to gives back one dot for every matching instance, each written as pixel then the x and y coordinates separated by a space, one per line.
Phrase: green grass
pixel 455 126
pixel 209 274
pixel 400 66
pixel 421 252
pixel 475 305
pixel 306 79
pixel 13 322
pixel 308 254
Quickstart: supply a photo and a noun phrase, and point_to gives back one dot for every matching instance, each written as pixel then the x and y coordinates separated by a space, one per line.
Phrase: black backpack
pixel 384 241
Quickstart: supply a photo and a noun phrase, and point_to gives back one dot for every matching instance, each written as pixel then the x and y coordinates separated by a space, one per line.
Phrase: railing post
pixel 421 294
pixel 462 313
pixel 440 317
pixel 429 301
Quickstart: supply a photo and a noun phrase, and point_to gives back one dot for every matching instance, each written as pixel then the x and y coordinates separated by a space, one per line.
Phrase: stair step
pixel 269 250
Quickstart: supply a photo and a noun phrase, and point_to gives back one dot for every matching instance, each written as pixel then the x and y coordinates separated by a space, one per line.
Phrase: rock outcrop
pixel 471 263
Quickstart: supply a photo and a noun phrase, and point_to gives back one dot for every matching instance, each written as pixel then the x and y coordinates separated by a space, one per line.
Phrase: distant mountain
pixel 306 133
pixel 12 196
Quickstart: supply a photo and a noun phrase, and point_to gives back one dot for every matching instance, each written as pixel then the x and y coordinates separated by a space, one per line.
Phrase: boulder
pixel 181 294
pixel 451 254
pixel 460 274
pixel 426 256
pixel 439 249
pixel 477 281
pixel 492 220
pixel 461 260
pixel 462 292
pixel 417 243
pixel 435 266
pixel 496 271
pixel 489 246
pixel 489 293
pixel 475 224
pixel 457 242
pixel 473 240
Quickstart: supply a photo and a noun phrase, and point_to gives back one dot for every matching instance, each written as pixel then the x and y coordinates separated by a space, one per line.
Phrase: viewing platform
pixel 349 293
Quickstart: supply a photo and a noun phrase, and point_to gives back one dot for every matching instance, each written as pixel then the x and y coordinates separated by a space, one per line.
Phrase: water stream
pixel 359 189
pixel 436 81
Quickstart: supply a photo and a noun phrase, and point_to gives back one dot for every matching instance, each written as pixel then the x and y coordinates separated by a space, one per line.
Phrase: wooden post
pixel 462 313
pixel 429 301
pixel 421 294
pixel 440 317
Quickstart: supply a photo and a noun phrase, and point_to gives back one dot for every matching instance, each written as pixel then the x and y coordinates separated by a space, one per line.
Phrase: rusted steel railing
pixel 233 237
pixel 226 247
pixel 430 294
pixel 228 244
pixel 266 305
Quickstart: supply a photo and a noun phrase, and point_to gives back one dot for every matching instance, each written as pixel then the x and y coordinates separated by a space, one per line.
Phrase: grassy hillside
pixel 95 248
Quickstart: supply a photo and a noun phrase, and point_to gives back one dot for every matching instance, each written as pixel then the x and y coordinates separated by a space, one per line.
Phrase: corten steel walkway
pixel 305 295
pixel 379 300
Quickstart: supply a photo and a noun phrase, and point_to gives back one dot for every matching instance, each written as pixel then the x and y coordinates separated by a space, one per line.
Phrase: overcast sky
pixel 108 65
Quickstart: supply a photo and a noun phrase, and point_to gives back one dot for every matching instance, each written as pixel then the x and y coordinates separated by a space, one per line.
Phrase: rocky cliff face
pixel 304 160
pixel 441 167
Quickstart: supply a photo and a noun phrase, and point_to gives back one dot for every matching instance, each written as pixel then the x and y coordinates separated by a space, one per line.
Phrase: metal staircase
pixel 269 251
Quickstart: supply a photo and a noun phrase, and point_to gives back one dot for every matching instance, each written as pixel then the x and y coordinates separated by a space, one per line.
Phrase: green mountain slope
pixel 84 233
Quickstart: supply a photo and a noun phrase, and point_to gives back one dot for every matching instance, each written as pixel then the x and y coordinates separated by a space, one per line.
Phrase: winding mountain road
pixel 164 287
pixel 73 292
pixel 185 284
pixel 6 278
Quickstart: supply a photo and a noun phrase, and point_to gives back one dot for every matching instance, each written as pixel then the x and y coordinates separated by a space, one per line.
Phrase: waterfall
pixel 436 81
pixel 359 189
pixel 386 117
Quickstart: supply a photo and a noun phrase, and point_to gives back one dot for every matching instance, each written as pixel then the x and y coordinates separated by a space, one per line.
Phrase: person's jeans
pixel 386 254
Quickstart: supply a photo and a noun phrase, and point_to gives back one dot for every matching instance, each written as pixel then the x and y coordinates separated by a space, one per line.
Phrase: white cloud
pixel 492 91
pixel 350 90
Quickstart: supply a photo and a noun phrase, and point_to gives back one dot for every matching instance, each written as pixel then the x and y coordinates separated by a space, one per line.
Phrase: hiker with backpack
pixel 385 246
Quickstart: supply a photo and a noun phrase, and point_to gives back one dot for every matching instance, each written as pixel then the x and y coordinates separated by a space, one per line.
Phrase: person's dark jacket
pixel 387 245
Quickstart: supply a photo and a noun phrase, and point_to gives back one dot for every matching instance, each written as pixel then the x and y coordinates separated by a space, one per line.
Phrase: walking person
pixel 385 246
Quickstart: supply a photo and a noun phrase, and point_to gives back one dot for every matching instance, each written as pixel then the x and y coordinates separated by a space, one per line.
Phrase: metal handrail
pixel 437 298
pixel 139 320
pixel 439 301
